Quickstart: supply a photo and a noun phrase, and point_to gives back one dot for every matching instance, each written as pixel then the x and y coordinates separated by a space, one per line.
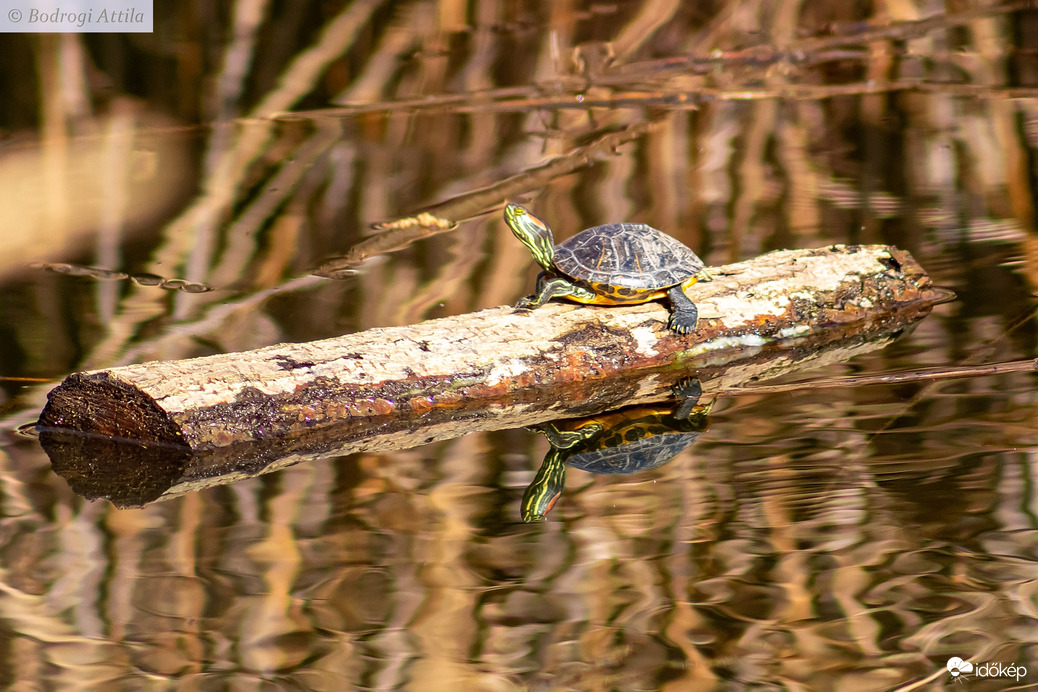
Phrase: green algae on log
pixel 503 367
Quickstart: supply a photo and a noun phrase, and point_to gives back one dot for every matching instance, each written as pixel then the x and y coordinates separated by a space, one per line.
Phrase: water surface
pixel 840 538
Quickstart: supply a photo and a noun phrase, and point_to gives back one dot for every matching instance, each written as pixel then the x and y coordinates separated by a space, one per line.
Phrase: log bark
pixel 502 367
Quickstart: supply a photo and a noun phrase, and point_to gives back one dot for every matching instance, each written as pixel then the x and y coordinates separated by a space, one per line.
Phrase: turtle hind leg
pixel 683 313
pixel 549 287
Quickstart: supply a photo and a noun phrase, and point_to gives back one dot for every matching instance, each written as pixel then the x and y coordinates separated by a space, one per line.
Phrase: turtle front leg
pixel 683 313
pixel 567 439
pixel 549 287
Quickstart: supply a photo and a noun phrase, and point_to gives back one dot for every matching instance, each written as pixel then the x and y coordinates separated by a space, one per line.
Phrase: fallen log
pixel 399 387
pixel 487 363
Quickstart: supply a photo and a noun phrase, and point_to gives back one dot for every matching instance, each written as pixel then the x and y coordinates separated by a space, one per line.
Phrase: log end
pixel 125 472
pixel 98 404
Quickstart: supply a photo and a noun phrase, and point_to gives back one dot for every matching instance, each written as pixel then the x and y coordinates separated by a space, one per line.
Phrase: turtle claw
pixel 688 388
pixel 681 326
pixel 527 303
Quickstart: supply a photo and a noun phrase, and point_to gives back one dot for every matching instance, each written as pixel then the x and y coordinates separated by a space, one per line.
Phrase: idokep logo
pixel 960 670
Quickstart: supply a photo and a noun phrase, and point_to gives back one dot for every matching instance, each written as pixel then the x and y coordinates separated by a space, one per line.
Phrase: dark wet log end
pixel 98 404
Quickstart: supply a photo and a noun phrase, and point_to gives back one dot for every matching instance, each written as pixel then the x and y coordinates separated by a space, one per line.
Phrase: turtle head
pixel 546 488
pixel 533 233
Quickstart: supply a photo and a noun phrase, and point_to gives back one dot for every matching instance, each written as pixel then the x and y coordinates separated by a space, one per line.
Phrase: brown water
pixel 842 538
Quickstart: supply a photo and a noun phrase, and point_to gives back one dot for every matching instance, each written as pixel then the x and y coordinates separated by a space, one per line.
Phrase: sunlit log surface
pixel 493 363
pixel 404 386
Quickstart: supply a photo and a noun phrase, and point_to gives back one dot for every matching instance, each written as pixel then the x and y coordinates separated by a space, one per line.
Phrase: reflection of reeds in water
pixel 814 557
pixel 793 139
pixel 779 127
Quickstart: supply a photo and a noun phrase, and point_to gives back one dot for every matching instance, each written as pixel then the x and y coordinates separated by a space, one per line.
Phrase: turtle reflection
pixel 631 439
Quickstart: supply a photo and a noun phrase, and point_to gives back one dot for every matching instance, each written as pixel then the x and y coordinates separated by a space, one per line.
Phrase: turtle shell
pixel 640 455
pixel 631 255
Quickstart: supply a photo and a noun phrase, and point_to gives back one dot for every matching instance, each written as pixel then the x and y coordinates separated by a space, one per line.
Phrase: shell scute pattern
pixel 626 255
pixel 640 455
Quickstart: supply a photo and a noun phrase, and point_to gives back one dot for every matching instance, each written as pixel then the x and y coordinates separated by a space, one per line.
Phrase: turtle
pixel 635 438
pixel 613 264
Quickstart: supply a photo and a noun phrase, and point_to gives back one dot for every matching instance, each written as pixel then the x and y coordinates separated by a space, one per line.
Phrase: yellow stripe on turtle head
pixel 533 233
